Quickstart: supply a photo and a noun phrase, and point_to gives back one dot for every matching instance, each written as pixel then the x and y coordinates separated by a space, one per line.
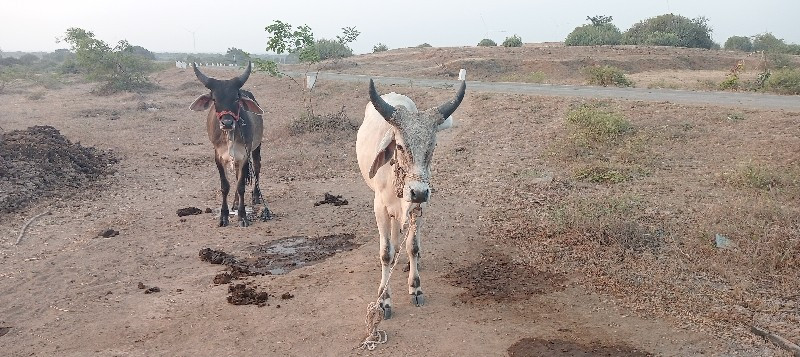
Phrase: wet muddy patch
pixel 530 347
pixel 283 255
pixel 496 277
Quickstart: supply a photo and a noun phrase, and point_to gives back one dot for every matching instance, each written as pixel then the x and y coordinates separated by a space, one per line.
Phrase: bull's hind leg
pixel 257 196
pixel 413 250
pixel 386 255
pixel 224 187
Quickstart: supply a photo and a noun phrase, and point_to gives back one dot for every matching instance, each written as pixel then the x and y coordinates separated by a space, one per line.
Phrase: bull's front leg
pixel 413 250
pixel 225 186
pixel 241 172
pixel 386 255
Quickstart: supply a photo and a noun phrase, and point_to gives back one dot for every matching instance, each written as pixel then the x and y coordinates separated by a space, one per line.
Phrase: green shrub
pixel 486 42
pixel 329 49
pixel 118 67
pixel 784 81
pixel 594 35
pixel 659 38
pixel 769 43
pixel 513 41
pixel 598 124
pixel 693 33
pixel 606 75
pixel 780 60
pixel 308 123
pixel 380 48
pixel 739 43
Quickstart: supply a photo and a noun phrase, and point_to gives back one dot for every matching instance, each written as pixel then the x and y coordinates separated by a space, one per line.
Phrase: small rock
pixel 108 233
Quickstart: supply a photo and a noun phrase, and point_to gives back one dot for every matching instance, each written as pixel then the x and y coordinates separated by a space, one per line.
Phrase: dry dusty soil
pixel 536 243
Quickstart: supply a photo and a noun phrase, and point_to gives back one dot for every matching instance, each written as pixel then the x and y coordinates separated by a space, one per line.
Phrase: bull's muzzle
pixel 227 123
pixel 419 195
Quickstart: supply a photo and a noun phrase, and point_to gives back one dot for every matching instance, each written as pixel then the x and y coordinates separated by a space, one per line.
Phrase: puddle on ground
pixel 529 347
pixel 283 255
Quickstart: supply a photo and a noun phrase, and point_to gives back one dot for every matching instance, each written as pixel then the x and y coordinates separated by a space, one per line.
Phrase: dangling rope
pixel 374 316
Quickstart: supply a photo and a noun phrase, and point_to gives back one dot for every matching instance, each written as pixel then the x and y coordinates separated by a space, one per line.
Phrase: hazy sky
pixel 214 26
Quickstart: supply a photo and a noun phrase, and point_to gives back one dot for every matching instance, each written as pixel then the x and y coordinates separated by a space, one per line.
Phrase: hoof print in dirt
pixel 241 294
pixel 334 200
pixel 108 233
pixel 189 211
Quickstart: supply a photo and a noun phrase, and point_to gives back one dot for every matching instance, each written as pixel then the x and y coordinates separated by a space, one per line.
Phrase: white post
pixel 310 80
pixel 462 74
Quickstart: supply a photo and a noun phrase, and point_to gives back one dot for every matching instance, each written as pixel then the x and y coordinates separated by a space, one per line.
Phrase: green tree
pixel 671 30
pixel 769 43
pixel 594 35
pixel 513 41
pixel 237 56
pixel 380 47
pixel 739 43
pixel 117 66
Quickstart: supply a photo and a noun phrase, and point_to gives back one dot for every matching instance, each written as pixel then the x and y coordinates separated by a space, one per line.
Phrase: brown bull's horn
pixel 245 75
pixel 385 109
pixel 448 108
pixel 202 77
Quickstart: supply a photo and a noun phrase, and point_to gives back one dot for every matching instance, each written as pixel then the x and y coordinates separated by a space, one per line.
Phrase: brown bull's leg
pixel 225 187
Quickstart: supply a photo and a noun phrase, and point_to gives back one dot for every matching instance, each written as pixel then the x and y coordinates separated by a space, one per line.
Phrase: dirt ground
pixel 520 256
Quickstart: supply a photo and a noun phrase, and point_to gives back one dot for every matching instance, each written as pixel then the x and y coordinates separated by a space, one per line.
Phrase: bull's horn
pixel 448 108
pixel 202 77
pixel 245 75
pixel 385 109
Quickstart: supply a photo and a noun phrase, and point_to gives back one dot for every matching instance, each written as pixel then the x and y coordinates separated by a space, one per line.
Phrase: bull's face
pixel 226 98
pixel 409 145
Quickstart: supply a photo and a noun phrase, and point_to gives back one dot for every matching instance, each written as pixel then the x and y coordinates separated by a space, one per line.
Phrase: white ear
pixel 202 103
pixel 384 152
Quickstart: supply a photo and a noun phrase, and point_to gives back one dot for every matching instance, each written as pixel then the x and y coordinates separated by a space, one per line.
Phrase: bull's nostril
pixel 419 196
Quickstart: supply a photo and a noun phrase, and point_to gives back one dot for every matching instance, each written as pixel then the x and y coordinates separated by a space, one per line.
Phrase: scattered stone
pixel 108 233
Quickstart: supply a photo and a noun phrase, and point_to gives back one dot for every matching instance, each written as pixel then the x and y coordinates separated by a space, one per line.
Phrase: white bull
pixel 394 147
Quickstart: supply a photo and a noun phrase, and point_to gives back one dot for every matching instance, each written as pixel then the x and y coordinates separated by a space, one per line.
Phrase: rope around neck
pixel 374 316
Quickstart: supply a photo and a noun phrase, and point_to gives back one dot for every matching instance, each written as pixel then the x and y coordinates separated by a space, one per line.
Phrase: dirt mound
pixel 40 163
pixel 497 278
pixel 530 347
pixel 241 294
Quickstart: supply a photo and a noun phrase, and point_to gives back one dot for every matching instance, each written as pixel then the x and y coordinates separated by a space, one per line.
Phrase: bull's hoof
pixel 256 200
pixel 266 215
pixel 418 299
pixel 244 223
pixel 223 221
pixel 387 312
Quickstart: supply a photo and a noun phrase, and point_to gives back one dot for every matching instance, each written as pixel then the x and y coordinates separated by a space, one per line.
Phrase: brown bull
pixel 235 128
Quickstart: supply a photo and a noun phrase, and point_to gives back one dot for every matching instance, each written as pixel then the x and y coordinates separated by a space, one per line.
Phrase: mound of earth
pixel 39 162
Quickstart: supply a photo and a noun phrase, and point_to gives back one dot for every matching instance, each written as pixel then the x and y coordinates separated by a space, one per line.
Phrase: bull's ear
pixel 384 153
pixel 251 106
pixel 202 103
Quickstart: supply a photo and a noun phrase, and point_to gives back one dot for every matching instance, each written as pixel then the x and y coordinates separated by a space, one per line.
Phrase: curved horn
pixel 245 75
pixel 202 77
pixel 385 109
pixel 448 108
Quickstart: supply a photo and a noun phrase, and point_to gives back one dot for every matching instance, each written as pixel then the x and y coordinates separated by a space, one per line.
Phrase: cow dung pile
pixel 39 163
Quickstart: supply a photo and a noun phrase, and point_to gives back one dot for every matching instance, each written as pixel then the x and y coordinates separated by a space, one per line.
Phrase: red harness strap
pixel 234 115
